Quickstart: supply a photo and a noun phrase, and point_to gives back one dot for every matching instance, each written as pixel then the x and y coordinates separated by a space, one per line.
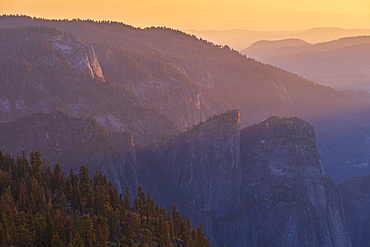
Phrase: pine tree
pixel 85 182
pixel 56 241
pixel 127 203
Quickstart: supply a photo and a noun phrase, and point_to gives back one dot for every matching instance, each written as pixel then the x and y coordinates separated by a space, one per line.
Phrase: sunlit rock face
pixel 79 55
pixel 356 200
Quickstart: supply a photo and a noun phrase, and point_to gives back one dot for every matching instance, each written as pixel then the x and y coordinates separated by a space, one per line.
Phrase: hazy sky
pixel 205 14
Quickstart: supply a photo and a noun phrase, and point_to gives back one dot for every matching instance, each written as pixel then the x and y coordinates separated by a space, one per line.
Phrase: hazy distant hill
pixel 342 63
pixel 240 39
pixel 265 48
pixel 187 80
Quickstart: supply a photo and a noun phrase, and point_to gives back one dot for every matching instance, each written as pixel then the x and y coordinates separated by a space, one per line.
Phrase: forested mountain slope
pixel 42 207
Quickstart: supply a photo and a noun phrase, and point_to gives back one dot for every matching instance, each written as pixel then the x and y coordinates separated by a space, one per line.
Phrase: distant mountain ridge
pixel 342 63
pixel 239 39
pixel 263 48
pixel 185 80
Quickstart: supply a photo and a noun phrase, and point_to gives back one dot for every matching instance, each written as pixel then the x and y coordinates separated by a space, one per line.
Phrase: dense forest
pixel 44 207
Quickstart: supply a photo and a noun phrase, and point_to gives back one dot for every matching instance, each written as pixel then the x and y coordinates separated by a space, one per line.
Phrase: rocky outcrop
pixel 199 170
pixel 72 142
pixel 356 200
pixel 267 188
pixel 81 56
pixel 286 199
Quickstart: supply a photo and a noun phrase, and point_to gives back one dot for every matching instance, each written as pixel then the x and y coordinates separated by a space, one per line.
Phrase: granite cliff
pixel 263 186
pixel 286 199
pixel 81 56
pixel 199 169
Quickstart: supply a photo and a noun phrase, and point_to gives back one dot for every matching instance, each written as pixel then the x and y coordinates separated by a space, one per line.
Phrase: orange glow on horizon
pixel 204 14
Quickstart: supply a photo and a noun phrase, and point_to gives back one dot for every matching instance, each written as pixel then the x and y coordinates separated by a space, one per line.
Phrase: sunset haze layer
pixel 205 14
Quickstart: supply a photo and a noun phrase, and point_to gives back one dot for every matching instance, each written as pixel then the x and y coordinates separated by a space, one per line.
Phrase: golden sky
pixel 204 14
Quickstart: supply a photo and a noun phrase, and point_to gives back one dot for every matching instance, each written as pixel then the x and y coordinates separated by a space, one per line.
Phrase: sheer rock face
pixel 72 142
pixel 356 200
pixel 285 198
pixel 200 169
pixel 79 55
pixel 262 186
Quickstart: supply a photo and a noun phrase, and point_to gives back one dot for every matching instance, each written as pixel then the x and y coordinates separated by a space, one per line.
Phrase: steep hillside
pixel 41 207
pixel 156 82
pixel 74 141
pixel 199 168
pixel 44 70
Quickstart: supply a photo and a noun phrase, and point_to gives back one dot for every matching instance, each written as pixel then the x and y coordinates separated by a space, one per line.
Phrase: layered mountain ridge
pixel 263 185
pixel 341 64
pixel 185 80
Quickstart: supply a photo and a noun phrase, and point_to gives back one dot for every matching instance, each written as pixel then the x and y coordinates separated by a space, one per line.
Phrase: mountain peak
pixel 293 126
pixel 290 141
pixel 219 123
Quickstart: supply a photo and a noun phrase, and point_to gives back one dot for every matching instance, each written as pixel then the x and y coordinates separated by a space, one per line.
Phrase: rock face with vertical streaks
pixel 286 199
pixel 263 186
pixel 79 55
pixel 200 169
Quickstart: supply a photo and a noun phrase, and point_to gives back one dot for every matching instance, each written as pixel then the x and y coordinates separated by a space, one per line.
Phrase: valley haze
pixel 254 154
